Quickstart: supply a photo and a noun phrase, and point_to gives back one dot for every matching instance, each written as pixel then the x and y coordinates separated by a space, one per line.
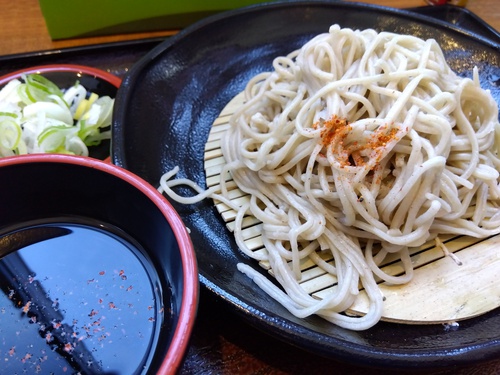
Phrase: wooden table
pixel 23 27
pixel 222 343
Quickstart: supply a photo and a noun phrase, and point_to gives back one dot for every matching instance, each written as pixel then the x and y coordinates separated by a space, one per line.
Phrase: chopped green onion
pixel 9 114
pixel 10 133
pixel 37 116
pixel 97 117
pixel 54 138
pixel 39 88
pixel 50 109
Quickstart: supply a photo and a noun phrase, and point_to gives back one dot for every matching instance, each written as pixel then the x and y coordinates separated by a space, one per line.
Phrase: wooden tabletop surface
pixel 23 27
pixel 222 343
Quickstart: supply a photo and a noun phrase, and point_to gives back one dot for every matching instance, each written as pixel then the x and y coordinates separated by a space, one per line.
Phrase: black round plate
pixel 163 114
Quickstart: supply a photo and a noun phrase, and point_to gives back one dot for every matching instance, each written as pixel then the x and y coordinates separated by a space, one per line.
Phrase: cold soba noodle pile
pixel 361 144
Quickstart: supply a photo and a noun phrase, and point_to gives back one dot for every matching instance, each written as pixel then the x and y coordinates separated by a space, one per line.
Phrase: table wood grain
pixel 223 343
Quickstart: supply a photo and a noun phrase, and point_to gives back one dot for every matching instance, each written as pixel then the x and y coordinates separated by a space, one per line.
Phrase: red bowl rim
pixel 190 295
pixel 96 72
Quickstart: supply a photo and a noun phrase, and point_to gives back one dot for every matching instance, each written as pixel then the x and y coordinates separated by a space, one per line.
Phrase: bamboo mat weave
pixel 441 290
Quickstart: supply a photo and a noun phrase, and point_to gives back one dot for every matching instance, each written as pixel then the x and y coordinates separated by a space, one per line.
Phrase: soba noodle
pixel 361 144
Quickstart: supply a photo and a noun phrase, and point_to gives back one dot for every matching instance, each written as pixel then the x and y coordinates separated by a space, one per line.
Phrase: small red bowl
pixel 64 76
pixel 75 295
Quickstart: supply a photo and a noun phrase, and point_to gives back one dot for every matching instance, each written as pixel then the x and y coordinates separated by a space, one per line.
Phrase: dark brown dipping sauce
pixel 77 298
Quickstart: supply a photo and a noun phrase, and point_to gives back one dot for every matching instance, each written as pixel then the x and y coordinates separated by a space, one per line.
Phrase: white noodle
pixel 360 144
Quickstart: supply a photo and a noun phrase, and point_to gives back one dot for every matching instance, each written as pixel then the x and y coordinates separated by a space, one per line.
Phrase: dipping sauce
pixel 77 297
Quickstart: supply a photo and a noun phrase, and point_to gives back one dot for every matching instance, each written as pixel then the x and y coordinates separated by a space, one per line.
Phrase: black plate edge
pixel 425 14
pixel 460 16
pixel 370 359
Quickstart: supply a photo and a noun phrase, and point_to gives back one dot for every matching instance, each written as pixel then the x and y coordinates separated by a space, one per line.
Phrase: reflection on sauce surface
pixel 77 299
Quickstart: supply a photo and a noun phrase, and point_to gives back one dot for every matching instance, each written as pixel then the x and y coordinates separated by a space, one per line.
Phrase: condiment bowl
pixel 95 80
pixel 97 270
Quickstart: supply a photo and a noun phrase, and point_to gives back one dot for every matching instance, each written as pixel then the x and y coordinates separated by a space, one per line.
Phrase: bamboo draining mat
pixel 441 290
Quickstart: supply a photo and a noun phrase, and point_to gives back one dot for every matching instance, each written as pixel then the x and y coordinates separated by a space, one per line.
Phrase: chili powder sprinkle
pixel 334 136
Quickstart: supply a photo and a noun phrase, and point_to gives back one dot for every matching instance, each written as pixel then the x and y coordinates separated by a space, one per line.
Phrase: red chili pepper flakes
pixel 333 129
pixel 26 307
pixel 26 357
pixel 93 312
pixel 335 132
pixel 102 337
